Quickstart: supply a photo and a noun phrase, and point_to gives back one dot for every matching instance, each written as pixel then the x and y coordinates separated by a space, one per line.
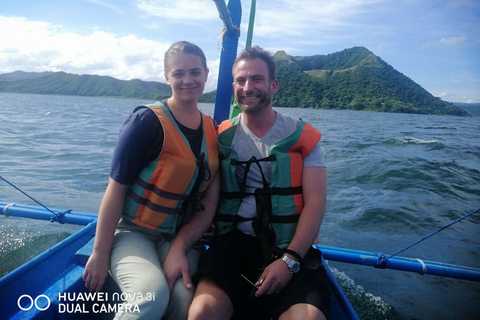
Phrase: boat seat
pixel 82 255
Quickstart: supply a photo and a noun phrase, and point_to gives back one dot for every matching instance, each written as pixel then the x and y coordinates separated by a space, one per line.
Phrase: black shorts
pixel 235 256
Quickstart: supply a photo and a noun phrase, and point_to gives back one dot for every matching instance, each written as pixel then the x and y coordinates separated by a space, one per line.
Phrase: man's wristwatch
pixel 293 265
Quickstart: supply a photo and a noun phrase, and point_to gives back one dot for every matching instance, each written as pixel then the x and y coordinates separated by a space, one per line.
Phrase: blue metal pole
pixel 32 212
pixel 224 15
pixel 400 263
pixel 223 98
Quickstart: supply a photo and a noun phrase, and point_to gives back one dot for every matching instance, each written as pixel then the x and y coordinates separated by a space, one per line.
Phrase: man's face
pixel 252 87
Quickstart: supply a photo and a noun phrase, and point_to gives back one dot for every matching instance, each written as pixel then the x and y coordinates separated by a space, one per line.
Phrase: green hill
pixel 62 83
pixel 353 79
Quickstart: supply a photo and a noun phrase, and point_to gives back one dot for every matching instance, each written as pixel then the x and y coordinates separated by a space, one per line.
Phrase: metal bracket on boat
pixel 5 209
pixel 59 216
pixel 382 261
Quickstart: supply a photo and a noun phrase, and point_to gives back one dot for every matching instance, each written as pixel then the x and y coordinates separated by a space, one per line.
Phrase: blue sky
pixel 436 43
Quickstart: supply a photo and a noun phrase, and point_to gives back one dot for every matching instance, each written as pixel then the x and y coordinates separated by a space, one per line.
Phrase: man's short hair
pixel 257 52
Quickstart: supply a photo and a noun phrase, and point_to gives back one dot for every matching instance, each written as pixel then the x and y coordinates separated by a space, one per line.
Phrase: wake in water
pixel 431 144
pixel 24 239
pixel 367 305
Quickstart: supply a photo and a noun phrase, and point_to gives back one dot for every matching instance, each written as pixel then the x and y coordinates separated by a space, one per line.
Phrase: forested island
pixel 352 79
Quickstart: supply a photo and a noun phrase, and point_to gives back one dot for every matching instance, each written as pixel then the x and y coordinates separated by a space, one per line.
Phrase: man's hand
pixel 274 278
pixel 176 266
pixel 208 236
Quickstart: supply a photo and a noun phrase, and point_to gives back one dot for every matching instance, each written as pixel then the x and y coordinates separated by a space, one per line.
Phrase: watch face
pixel 295 267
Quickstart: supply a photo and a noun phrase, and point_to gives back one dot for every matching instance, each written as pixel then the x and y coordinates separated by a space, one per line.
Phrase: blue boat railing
pixel 34 212
pixel 365 258
pixel 415 265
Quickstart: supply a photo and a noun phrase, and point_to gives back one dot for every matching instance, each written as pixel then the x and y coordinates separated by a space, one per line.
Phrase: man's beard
pixel 265 100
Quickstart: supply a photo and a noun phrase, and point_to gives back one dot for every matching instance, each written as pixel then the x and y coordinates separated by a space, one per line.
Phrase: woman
pixel 164 191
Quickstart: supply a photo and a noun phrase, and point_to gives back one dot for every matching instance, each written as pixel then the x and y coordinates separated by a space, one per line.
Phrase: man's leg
pixel 307 297
pixel 210 303
pixel 302 311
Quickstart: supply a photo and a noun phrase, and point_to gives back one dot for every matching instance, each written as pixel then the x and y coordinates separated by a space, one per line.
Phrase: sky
pixel 436 43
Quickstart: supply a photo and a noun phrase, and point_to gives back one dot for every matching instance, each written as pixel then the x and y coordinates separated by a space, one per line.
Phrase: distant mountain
pixel 353 79
pixel 472 108
pixel 21 75
pixel 62 83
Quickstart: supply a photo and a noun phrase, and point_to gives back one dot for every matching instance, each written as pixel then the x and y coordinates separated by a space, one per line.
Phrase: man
pixel 262 265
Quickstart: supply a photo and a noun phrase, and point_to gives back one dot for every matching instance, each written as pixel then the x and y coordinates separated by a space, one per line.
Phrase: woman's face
pixel 186 76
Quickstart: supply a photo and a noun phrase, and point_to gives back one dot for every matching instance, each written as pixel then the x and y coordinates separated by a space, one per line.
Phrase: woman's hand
pixel 96 271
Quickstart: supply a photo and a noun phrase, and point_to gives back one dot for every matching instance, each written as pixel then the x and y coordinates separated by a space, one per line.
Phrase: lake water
pixel 392 179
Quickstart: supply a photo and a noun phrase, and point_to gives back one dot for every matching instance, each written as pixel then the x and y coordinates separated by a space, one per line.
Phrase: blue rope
pixel 58 216
pixel 382 259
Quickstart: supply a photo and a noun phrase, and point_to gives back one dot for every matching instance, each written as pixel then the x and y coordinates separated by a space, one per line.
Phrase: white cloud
pixel 184 11
pixel 446 41
pixel 213 67
pixel 302 19
pixel 453 41
pixel 443 95
pixel 37 46
pixel 467 95
pixel 117 8
pixel 276 21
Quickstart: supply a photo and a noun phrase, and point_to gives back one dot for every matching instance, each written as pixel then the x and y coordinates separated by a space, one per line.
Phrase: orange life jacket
pixel 167 187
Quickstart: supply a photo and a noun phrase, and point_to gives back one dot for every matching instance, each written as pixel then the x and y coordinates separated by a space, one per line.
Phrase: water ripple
pixel 406 140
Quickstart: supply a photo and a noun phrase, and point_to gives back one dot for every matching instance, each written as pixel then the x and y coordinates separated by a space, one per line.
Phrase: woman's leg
pixel 135 266
pixel 180 297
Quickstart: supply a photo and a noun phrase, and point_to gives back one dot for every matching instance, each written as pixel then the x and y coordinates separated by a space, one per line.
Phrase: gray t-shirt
pixel 246 144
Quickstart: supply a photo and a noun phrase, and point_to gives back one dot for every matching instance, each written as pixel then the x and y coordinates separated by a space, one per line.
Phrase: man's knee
pixel 210 303
pixel 180 298
pixel 197 310
pixel 303 311
pixel 204 309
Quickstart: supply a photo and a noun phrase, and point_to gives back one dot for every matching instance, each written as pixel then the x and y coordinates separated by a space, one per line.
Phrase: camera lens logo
pixel 26 302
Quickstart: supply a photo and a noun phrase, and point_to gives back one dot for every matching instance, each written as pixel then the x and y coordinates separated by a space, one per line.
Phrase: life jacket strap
pixel 220 217
pixel 272 191
pixel 162 193
pixel 155 207
pixel 263 200
pixel 192 203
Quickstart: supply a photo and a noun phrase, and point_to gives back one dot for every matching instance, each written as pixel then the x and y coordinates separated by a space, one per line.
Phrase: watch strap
pixel 294 254
pixel 293 265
